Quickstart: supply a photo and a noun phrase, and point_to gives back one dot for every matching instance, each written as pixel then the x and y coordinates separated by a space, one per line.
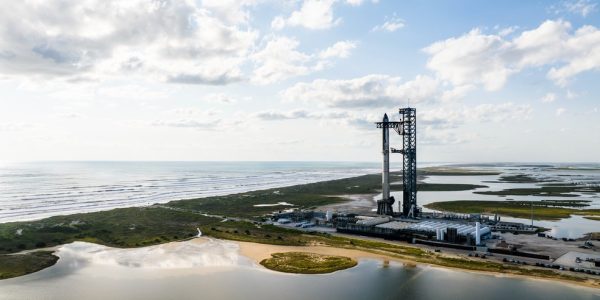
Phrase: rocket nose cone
pixel 385 118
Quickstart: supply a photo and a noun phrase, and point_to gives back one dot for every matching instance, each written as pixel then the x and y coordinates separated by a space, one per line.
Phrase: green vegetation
pixel 442 187
pixel 14 265
pixel 488 266
pixel 592 218
pixel 546 190
pixel 123 227
pixel 302 196
pixel 307 263
pixel 542 210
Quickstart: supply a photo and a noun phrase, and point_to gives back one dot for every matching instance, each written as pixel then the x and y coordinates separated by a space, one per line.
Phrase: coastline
pixel 258 252
pixel 191 214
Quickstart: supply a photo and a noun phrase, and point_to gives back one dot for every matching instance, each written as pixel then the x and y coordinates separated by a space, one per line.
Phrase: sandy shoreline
pixel 258 252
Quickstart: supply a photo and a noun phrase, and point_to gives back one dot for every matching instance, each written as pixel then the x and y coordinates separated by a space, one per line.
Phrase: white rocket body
pixel 386 161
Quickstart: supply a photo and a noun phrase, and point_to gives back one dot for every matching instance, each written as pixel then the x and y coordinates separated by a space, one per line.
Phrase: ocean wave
pixel 94 186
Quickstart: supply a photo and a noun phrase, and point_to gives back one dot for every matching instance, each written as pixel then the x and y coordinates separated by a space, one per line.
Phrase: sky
pixel 492 81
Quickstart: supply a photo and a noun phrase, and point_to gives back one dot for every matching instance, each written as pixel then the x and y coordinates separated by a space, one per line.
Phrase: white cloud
pixel 451 117
pixel 313 14
pixel 298 114
pixel 439 125
pixel 471 58
pixel 231 11
pixel 190 111
pixel 390 24
pixel 508 30
pixel 176 41
pixel 340 49
pixel 14 126
pixel 278 23
pixel 187 123
pixel 280 59
pixel 549 97
pixel 489 59
pixel 581 7
pixel 560 111
pixel 359 2
pixel 368 91
pixel 219 98
pixel 70 115
pixel 200 123
pixel 457 93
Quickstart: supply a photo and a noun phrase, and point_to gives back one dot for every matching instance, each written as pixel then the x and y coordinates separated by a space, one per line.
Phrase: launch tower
pixel 407 128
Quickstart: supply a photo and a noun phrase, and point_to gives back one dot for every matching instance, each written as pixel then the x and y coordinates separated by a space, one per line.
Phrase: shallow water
pixel 573 227
pixel 215 270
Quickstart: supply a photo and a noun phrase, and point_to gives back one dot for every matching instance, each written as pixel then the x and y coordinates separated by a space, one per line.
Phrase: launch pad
pixel 407 128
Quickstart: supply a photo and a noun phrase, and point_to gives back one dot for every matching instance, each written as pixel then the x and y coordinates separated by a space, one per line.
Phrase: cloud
pixel 71 115
pixel 220 98
pixel 439 125
pixel 560 111
pixel 187 123
pixel 471 58
pixel 390 24
pixel 173 41
pixel 452 117
pixel 441 118
pixel 359 2
pixel 280 59
pixel 369 91
pixel 14 126
pixel 579 7
pixel 313 14
pixel 432 136
pixel 490 59
pixel 550 97
pixel 200 123
pixel 297 114
pixel 340 49
pixel 457 93
pixel 582 7
pixel 231 11
pixel 193 112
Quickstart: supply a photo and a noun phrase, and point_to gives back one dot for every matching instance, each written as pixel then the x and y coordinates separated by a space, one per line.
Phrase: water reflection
pixel 97 272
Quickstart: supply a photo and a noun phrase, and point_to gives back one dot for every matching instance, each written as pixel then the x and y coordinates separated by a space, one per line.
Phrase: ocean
pixel 36 190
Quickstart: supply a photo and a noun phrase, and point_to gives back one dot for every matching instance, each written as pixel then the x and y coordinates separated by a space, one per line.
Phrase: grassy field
pixel 302 196
pixel 562 190
pixel 592 218
pixel 123 227
pixel 441 187
pixel 307 263
pixel 21 264
pixel 542 210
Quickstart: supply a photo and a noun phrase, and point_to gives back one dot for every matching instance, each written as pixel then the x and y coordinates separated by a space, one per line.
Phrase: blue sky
pixel 298 80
